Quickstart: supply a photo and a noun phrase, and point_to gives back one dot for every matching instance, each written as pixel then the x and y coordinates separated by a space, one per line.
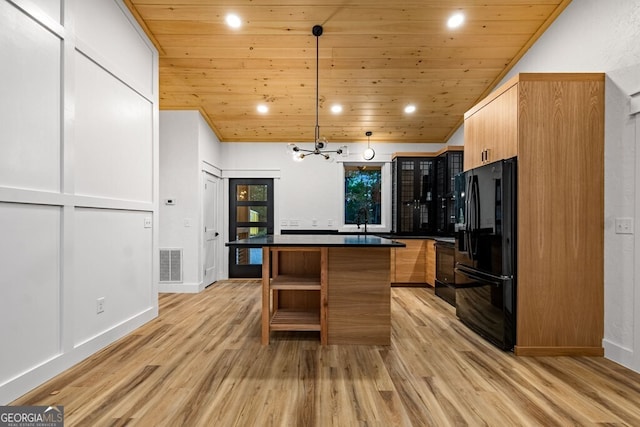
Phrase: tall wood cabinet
pixel 554 123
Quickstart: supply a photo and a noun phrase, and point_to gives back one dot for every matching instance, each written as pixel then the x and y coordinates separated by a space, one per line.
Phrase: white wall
pixel 604 36
pixel 313 189
pixel 78 179
pixel 188 147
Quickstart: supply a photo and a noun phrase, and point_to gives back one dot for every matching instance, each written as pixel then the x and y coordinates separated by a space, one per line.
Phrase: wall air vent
pixel 170 265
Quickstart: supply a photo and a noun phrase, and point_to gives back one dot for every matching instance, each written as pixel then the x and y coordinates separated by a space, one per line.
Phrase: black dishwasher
pixel 445 276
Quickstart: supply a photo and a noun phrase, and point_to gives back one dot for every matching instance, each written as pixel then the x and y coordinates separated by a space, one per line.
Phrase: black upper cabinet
pixel 448 165
pixel 413 208
pixel 422 194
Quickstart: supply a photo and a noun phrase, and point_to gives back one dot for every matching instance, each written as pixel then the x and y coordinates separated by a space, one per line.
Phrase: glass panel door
pixel 250 216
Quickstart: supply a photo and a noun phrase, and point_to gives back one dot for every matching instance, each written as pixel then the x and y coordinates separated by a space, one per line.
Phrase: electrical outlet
pixel 294 222
pixel 100 305
pixel 624 225
pixel 314 222
pixel 284 223
pixel 330 222
pixel 147 222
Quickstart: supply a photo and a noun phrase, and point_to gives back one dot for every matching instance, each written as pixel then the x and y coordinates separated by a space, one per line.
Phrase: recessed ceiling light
pixel 410 109
pixel 336 109
pixel 455 20
pixel 233 20
pixel 262 109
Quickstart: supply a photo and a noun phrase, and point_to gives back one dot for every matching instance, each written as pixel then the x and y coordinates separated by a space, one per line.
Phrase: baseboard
pixel 558 351
pixel 621 355
pixel 180 288
pixel 27 381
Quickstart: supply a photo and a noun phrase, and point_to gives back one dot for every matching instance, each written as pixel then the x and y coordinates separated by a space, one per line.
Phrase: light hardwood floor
pixel 200 363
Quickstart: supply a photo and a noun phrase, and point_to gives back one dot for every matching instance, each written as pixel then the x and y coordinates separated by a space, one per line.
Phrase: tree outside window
pixel 362 194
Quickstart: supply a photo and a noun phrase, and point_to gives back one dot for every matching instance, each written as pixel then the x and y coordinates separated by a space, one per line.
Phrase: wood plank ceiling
pixel 376 57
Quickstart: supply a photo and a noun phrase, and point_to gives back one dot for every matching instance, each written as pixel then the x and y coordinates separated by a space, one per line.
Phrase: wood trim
pixel 266 294
pixel 430 262
pixel 427 154
pixel 558 351
pixel 324 301
pixel 140 21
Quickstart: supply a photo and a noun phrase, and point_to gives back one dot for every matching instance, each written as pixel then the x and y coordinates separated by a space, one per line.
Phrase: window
pixel 362 194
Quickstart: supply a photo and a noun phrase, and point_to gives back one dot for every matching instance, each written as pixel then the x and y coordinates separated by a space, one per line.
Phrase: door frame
pixel 249 270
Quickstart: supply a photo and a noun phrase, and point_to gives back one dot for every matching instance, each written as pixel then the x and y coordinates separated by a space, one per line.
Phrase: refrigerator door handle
pixel 468 228
pixel 479 276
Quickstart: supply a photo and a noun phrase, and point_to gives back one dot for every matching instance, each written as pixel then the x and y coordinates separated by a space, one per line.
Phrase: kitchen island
pixel 336 284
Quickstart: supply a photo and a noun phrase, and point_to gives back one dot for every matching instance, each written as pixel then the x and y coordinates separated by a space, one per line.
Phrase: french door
pixel 250 215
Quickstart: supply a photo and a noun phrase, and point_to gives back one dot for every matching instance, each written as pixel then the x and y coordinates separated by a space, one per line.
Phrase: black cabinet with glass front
pixel 422 192
pixel 413 192
pixel 448 165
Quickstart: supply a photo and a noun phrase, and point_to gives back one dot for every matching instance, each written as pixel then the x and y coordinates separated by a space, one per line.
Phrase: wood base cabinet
pixel 554 123
pixel 414 264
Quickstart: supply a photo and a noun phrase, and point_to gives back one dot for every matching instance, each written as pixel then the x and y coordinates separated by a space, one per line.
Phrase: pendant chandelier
pixel 320 143
pixel 369 153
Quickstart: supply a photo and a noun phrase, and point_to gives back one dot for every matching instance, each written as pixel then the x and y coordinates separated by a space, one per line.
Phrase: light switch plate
pixel 624 225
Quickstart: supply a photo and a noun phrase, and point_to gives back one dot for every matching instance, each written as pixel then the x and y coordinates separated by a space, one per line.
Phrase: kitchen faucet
pixel 362 214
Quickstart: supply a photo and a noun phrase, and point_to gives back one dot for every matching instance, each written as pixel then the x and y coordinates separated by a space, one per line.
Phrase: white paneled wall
pixel 29 286
pixel 30 101
pixel 113 266
pixel 78 184
pixel 113 150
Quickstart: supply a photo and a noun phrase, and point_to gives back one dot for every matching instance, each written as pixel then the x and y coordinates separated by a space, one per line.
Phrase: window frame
pixel 385 197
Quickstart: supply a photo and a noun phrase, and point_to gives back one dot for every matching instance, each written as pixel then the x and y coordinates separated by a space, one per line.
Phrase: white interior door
pixel 211 235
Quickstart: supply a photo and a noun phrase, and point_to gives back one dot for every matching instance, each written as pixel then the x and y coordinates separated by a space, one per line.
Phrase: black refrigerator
pixel 485 255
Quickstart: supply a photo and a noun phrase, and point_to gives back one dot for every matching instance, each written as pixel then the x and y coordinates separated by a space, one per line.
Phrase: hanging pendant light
pixel 320 143
pixel 369 153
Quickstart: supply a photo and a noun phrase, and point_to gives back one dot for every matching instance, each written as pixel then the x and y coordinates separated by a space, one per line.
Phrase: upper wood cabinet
pixel 491 129
pixel 554 123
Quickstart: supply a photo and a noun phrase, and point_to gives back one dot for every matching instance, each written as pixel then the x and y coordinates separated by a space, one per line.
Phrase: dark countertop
pixel 383 234
pixel 449 240
pixel 317 240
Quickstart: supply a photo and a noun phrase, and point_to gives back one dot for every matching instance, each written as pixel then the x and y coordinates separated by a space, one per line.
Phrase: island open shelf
pixel 338 285
pixel 294 290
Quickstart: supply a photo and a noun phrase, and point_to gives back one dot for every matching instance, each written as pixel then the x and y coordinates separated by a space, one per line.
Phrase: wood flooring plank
pixel 201 363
